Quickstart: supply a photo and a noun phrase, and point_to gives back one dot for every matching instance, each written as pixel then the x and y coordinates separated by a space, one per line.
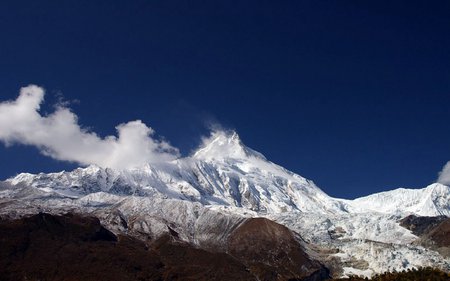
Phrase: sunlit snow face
pixel 221 145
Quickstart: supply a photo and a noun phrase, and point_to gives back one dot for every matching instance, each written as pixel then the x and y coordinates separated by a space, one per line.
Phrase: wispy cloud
pixel 59 135
pixel 444 175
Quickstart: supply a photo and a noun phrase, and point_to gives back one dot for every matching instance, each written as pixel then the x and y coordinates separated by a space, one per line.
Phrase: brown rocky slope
pixel 434 232
pixel 75 247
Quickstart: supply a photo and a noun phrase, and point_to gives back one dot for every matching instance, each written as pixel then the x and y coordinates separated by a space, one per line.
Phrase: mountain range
pixel 227 198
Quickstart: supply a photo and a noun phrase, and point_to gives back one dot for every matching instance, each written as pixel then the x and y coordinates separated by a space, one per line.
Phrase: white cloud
pixel 444 175
pixel 59 135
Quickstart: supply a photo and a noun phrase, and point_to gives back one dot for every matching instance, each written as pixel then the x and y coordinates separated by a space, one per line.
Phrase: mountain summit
pixel 223 145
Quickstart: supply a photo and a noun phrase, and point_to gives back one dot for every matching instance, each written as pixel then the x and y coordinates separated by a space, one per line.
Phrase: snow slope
pixel 430 201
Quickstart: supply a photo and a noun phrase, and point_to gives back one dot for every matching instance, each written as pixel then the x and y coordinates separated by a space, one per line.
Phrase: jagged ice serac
pixel 58 135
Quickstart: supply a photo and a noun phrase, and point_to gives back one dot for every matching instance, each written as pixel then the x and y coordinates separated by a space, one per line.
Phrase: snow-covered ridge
pixel 226 172
pixel 434 200
pixel 222 145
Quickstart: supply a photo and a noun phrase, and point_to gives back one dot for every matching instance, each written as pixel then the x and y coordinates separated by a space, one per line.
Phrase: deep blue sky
pixel 354 95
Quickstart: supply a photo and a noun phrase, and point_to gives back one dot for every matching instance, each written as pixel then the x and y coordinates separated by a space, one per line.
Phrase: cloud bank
pixel 59 135
pixel 444 175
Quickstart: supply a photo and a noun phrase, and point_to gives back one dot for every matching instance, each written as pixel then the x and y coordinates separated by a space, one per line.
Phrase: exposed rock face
pixel 75 247
pixel 434 232
pixel 272 252
pixel 421 225
pixel 441 234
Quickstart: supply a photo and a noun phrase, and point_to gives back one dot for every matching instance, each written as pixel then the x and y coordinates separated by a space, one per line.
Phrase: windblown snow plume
pixel 59 135
pixel 444 175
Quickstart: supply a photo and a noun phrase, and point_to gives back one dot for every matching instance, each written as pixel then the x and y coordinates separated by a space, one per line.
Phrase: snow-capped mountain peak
pixel 223 145
pixel 227 180
pixel 226 172
pixel 432 200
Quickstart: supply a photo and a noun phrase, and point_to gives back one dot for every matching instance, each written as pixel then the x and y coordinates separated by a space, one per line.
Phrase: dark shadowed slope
pixel 272 252
pixel 434 232
pixel 74 247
